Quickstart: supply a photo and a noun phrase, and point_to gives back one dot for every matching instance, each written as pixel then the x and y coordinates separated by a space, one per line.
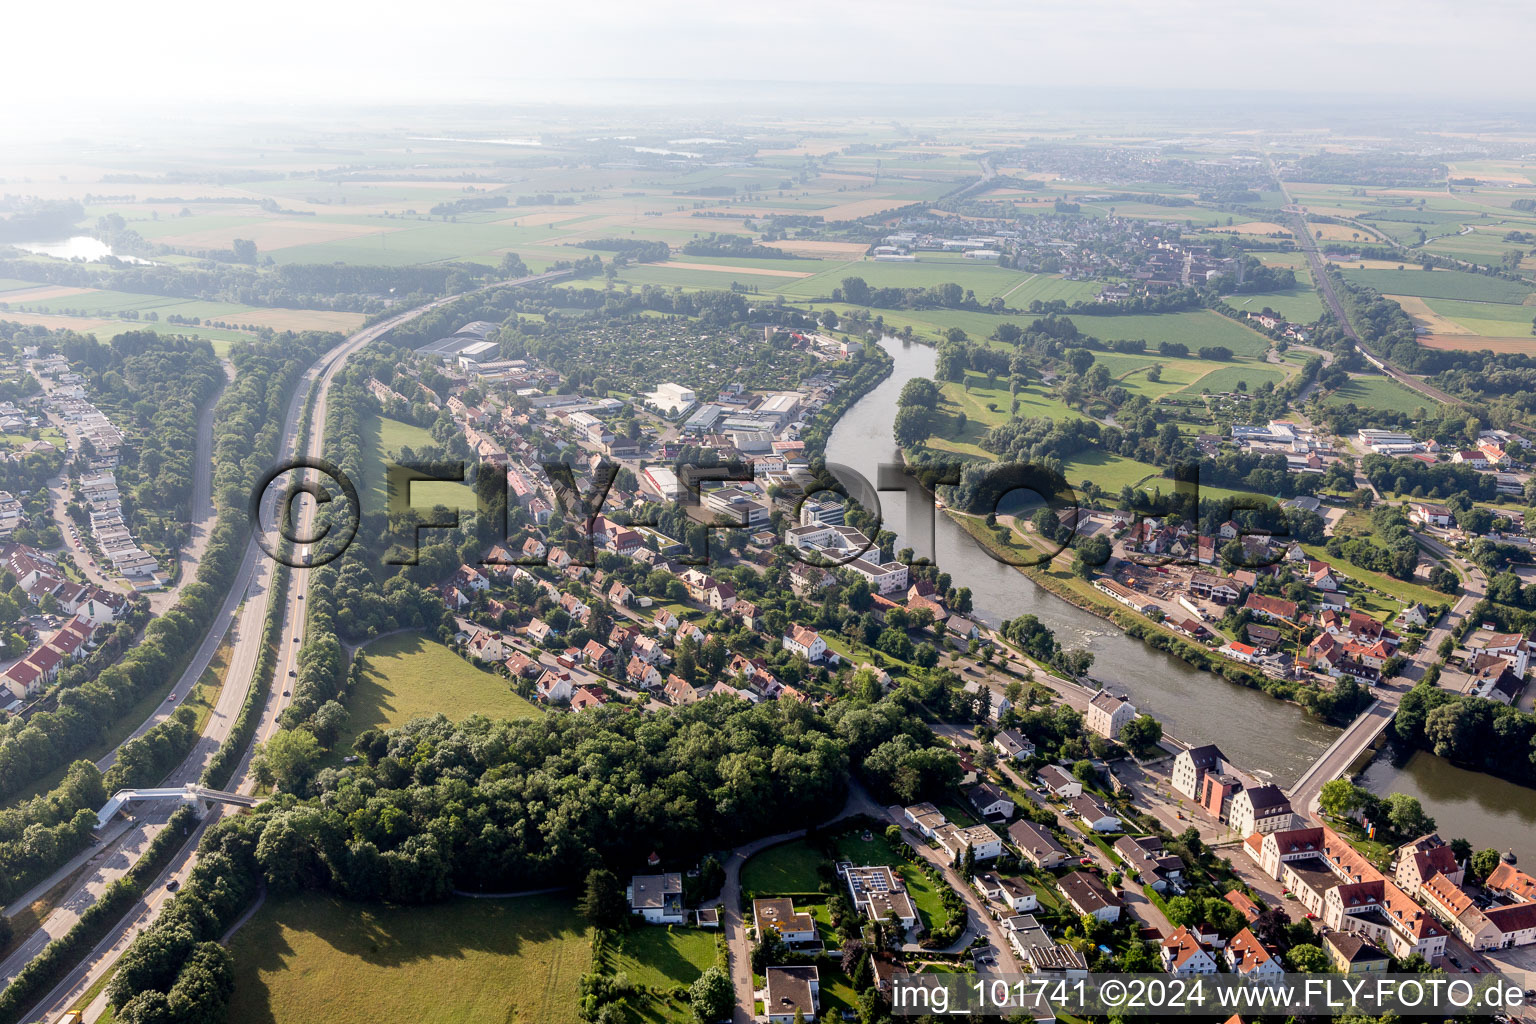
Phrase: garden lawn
pixel 410 676
pixel 467 961
pixel 1399 590
pixel 787 868
pixel 664 958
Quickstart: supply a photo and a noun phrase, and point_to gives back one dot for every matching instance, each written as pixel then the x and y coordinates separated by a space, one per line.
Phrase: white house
pixel 657 898
pixel 954 840
pixel 1108 714
pixel 790 989
pixel 1011 891
pixel 1059 782
pixel 1012 743
pixel 1191 766
pixel 1086 894
pixel 1183 954
pixel 1261 809
pixel 1094 814
pixel 1247 956
pixel 780 915
pixel 989 801
pixel 807 643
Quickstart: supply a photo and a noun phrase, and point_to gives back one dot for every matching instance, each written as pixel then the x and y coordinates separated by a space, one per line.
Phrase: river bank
pixel 1272 738
pixel 1275 740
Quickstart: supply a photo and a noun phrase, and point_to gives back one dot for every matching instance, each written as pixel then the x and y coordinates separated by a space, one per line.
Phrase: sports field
pixel 317 958
pixel 410 676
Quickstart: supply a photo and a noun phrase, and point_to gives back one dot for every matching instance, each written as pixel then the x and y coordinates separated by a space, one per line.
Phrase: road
pixel 1325 285
pixel 252 586
pixel 738 948
pixel 1351 743
pixel 201 521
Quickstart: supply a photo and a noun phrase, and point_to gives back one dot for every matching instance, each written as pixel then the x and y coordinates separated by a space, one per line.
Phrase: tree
pixel 1461 849
pixel 852 955
pixel 1406 815
pixel 1270 926
pixel 1183 911
pixel 1307 959
pixel 1483 864
pixel 328 723
pixel 1340 796
pixel 1141 734
pixel 288 760
pixel 769 949
pixel 602 902
pixel 864 974
pixel 712 996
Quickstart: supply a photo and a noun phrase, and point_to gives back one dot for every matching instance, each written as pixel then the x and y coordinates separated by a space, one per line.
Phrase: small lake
pixel 77 247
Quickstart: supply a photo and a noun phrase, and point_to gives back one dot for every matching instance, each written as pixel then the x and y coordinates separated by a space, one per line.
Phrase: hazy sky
pixel 386 50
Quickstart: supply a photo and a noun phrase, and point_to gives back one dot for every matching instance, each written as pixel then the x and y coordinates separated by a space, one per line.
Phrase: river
pixel 1263 735
pixel 1487 810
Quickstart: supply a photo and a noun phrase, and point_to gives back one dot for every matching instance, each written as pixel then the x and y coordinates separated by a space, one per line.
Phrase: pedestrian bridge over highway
pixel 197 797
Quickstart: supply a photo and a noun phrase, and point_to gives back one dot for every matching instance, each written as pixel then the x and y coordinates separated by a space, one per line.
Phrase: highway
pixel 252 586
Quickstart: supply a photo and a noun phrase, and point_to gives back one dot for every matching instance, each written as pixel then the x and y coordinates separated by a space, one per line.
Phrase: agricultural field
pixel 1447 284
pixel 1300 305
pixel 315 958
pixel 1379 393
pixel 1197 328
pixel 1469 325
pixel 986 280
pixel 410 676
pixel 101 303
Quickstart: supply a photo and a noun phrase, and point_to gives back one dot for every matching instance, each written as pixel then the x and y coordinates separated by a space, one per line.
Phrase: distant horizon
pixel 95 55
pixel 577 105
